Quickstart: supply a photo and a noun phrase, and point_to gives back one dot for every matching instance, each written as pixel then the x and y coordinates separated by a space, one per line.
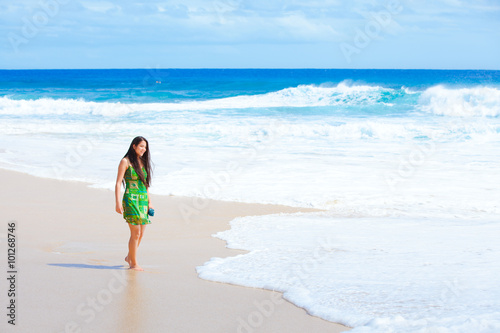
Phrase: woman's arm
pixel 149 200
pixel 118 186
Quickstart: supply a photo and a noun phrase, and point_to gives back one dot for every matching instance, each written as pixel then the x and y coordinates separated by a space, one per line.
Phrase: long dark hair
pixel 146 160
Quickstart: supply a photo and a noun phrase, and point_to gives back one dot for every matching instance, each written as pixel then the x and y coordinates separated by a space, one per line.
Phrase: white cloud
pixel 301 28
pixel 99 6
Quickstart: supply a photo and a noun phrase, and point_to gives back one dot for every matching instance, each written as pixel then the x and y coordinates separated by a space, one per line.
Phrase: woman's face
pixel 140 149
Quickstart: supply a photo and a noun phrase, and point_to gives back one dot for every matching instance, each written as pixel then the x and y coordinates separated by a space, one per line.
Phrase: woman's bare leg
pixel 143 228
pixel 133 244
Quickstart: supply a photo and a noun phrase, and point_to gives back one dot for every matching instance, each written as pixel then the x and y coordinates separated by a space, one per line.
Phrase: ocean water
pixel 403 163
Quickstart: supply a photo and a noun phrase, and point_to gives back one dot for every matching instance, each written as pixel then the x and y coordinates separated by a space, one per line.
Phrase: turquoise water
pixel 200 84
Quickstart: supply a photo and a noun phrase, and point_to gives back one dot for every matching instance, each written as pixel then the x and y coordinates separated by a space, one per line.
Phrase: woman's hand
pixel 150 205
pixel 119 208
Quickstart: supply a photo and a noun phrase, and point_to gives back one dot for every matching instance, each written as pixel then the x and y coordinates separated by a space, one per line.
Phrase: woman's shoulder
pixel 125 162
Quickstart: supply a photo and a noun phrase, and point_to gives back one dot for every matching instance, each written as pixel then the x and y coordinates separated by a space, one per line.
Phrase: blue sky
pixel 439 34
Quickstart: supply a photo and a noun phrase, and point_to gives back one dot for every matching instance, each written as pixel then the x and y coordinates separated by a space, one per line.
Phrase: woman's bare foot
pixel 136 268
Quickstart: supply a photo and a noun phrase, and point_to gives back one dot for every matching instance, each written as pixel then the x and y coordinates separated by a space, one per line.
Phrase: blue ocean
pixel 402 164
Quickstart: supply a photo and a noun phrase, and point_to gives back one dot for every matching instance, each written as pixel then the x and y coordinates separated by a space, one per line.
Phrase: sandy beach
pixel 72 276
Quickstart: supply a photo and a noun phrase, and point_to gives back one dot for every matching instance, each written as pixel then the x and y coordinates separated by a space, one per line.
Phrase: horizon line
pixel 245 68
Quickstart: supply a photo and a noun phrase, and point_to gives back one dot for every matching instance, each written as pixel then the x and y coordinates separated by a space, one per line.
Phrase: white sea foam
pixel 243 130
pixel 48 106
pixel 477 101
pixel 301 96
pixel 340 164
pixel 374 274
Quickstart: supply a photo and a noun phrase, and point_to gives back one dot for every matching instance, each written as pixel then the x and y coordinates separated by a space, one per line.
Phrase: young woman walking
pixel 135 173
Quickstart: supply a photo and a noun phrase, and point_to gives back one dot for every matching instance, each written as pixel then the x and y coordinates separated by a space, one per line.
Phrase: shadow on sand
pixel 90 266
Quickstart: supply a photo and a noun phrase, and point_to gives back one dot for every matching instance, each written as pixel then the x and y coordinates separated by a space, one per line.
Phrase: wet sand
pixel 72 276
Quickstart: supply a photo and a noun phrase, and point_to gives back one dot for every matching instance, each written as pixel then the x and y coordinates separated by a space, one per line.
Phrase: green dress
pixel 135 199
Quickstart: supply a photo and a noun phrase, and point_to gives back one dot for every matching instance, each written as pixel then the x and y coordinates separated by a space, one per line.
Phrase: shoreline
pixel 72 273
